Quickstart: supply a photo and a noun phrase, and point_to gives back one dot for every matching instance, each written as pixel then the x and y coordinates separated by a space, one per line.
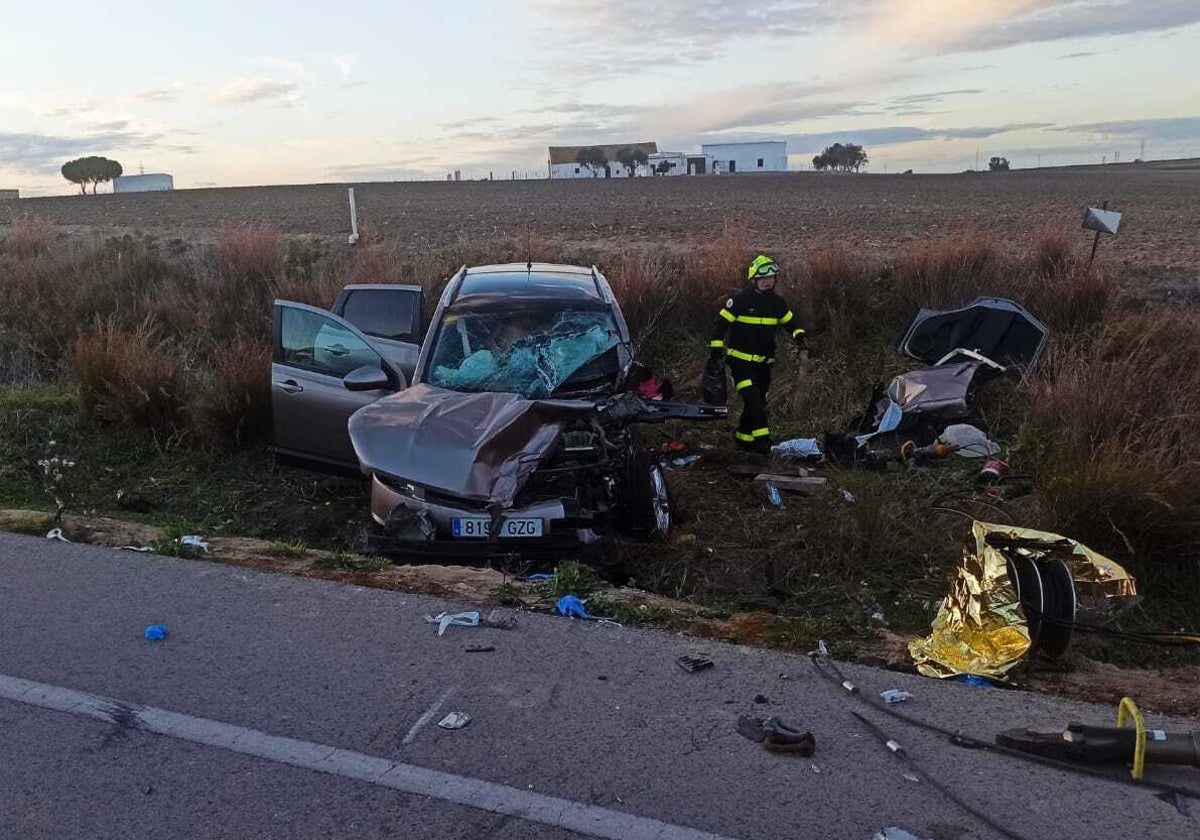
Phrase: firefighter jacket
pixel 745 326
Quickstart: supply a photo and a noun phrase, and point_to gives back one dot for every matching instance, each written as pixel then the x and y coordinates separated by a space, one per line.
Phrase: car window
pixel 528 352
pixel 316 342
pixel 386 313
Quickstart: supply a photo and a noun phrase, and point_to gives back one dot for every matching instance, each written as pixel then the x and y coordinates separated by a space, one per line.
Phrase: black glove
pixel 716 354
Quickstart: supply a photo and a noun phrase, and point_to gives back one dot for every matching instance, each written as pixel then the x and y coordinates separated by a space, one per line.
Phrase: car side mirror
pixel 366 378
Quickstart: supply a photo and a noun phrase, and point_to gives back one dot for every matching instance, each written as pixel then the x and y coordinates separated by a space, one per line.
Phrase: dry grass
pixel 1113 435
pixel 230 402
pixel 29 236
pixel 250 252
pixel 949 272
pixel 130 377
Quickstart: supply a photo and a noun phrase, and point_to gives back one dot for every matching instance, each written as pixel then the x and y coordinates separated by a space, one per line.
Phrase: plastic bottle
pixel 773 495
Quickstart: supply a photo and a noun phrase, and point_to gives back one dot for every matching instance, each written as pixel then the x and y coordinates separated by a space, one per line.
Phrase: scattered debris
pixel 795 483
pixel 973 681
pixel 499 620
pixel 910 777
pixel 968 441
pixel 815 769
pixel 1015 590
pixel 691 664
pixel 194 541
pixel 848 497
pixel 895 833
pixel 773 495
pixel 572 607
pixel 479 648
pixel 444 620
pixel 455 720
pixel 156 632
pixel 540 576
pixel 895 695
pixel 777 735
pixel 685 461
pixel 761 699
pixel 56 534
pixel 798 448
pixel 142 548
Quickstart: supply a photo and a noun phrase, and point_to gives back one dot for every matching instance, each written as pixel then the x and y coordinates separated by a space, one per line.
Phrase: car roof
pixel 527 283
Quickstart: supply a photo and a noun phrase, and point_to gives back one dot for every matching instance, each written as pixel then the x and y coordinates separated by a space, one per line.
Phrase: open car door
pixel 389 315
pixel 318 359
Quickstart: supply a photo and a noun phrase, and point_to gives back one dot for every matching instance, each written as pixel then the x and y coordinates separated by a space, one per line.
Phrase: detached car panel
pixel 997 328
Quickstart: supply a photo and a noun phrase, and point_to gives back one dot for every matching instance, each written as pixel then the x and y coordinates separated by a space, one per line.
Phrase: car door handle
pixel 290 386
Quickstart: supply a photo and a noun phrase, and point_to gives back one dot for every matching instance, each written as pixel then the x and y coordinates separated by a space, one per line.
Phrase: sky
pixel 264 92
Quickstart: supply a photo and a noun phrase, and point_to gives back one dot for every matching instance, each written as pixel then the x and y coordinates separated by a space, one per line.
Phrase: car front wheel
pixel 648 507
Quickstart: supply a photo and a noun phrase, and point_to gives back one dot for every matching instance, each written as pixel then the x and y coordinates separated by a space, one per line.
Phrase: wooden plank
pixel 798 484
pixel 750 470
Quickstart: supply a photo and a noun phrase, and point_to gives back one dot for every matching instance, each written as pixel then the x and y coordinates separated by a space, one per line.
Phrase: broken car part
pixel 1016 589
pixel 777 735
pixel 691 664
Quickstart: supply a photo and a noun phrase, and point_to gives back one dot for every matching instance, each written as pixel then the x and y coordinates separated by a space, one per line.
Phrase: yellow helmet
pixel 763 266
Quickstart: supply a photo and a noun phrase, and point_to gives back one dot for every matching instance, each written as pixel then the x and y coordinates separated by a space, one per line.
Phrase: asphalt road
pixel 582 725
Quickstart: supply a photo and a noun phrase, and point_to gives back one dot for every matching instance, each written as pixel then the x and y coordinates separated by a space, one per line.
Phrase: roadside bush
pixel 130 377
pixel 1053 250
pixel 250 252
pixel 230 402
pixel 28 236
pixel 1113 437
pixel 949 272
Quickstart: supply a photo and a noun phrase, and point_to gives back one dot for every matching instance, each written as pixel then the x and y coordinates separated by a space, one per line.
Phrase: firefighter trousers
pixel 751 381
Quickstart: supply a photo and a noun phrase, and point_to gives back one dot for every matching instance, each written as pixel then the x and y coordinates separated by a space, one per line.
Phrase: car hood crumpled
pixel 477 446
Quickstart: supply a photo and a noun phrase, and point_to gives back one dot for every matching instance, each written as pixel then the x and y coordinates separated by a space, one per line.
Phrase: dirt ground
pixel 874 214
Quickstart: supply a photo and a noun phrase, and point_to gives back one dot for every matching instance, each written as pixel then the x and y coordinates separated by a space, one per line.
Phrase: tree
pixel 91 170
pixel 848 157
pixel 591 157
pixel 663 167
pixel 998 164
pixel 631 159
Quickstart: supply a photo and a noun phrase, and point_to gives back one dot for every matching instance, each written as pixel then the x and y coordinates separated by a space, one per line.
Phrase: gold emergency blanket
pixel 980 627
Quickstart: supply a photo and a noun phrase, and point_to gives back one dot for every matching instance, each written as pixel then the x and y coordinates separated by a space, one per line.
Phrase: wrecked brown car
pixel 519 430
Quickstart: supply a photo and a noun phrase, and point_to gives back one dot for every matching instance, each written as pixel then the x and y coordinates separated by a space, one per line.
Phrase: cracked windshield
pixel 530 353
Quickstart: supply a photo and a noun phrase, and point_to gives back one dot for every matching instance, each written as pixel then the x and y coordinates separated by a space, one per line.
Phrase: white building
pixel 563 161
pixel 730 158
pixel 667 163
pixel 157 182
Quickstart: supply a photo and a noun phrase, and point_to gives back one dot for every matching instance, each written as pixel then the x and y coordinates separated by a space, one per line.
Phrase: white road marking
pixel 428 716
pixel 591 820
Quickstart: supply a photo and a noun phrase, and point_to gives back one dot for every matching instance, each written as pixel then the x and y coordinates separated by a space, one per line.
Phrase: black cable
pixel 902 754
pixel 1164 639
pixel 960 739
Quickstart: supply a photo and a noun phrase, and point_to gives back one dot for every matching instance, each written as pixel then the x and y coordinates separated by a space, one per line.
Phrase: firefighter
pixel 745 337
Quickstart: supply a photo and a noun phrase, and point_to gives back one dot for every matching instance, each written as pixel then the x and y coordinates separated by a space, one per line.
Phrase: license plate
pixel 481 527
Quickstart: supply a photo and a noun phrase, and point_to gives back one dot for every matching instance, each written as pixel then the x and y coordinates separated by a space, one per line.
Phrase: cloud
pixel 895 135
pixel 936 96
pixel 243 91
pixel 1077 55
pixel 598 39
pixel 345 64
pixel 83 106
pixel 44 154
pixel 953 25
pixel 625 37
pixel 405 169
pixel 1169 128
pixel 163 94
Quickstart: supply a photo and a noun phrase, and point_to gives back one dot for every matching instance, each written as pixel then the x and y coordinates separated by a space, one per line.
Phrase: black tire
pixel 648 508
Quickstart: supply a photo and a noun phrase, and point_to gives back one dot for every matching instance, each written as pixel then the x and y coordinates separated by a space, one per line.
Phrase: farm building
pixel 729 158
pixel 563 161
pixel 156 182
pixel 667 163
pixel 9 195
